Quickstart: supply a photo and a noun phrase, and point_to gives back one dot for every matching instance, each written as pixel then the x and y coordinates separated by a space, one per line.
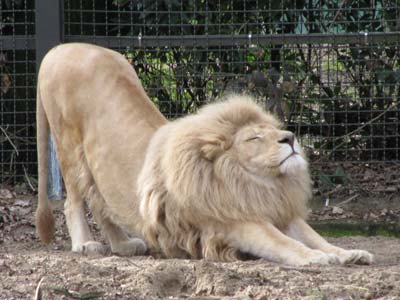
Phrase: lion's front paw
pixel 360 257
pixel 317 257
pixel 322 258
pixel 131 247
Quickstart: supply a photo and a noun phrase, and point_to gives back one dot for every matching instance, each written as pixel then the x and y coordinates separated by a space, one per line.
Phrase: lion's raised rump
pixel 101 120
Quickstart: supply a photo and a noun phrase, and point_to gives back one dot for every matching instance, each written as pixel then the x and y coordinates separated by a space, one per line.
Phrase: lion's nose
pixel 287 139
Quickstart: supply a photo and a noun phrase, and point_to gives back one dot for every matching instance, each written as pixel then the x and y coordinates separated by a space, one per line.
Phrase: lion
pixel 226 181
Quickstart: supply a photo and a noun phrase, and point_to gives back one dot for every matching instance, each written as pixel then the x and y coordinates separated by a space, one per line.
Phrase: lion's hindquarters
pixel 99 142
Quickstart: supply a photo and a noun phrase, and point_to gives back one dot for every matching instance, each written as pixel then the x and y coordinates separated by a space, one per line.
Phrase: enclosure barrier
pixel 329 69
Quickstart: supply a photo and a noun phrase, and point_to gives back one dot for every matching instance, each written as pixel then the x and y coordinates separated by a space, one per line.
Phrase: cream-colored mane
pixel 192 182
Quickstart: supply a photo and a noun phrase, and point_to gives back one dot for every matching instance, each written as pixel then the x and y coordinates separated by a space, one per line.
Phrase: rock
pixel 391 189
pixel 23 203
pixel 5 194
pixel 337 210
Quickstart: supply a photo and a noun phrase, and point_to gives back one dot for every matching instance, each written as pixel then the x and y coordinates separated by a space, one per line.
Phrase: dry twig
pixel 38 293
pixel 9 140
pixel 28 180
pixel 348 200
pixel 300 269
pixel 336 189
pixel 77 295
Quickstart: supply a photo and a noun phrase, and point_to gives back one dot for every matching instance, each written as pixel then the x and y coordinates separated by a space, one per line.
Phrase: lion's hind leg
pixel 78 179
pixel 119 241
pixel 81 237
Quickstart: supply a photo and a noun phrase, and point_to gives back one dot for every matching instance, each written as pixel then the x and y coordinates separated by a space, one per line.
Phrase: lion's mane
pixel 191 187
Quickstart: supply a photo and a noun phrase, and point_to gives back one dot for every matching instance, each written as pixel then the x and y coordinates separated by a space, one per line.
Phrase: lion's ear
pixel 210 151
pixel 213 146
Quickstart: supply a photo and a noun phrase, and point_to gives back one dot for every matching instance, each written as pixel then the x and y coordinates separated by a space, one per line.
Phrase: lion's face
pixel 264 150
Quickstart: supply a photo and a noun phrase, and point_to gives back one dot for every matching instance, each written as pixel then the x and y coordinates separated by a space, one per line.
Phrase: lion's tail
pixel 44 212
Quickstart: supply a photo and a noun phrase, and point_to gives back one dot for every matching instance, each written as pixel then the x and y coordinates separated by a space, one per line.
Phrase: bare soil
pixel 25 264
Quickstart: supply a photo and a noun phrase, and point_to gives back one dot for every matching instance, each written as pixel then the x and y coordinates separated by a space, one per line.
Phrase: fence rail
pixel 239 39
pixel 15 42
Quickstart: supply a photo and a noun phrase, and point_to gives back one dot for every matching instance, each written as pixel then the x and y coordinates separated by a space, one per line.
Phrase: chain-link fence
pixel 17 90
pixel 330 69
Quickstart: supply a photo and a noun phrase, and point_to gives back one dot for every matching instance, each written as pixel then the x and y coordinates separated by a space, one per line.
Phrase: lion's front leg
pixel 298 229
pixel 266 241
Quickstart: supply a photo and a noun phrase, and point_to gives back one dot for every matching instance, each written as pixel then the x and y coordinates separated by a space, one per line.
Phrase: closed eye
pixel 253 138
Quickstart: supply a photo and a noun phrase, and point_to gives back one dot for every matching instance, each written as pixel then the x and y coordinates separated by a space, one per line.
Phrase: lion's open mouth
pixel 289 156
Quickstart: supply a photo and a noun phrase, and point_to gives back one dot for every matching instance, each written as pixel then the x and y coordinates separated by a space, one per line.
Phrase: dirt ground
pixel 25 264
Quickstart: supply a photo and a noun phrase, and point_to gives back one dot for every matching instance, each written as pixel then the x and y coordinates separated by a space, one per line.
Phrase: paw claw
pixel 360 257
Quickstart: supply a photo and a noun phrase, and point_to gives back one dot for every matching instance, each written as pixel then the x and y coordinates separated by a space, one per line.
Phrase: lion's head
pixel 254 138
pixel 230 161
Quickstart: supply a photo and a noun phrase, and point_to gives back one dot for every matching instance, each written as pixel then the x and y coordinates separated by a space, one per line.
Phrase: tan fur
pixel 102 121
pixel 226 180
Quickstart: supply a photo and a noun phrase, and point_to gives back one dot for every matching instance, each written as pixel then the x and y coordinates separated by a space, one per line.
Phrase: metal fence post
pixel 49 33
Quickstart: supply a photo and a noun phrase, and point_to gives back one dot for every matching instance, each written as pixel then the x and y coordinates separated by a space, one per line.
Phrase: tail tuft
pixel 45 224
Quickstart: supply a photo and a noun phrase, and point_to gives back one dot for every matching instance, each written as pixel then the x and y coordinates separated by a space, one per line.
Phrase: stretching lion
pixel 225 181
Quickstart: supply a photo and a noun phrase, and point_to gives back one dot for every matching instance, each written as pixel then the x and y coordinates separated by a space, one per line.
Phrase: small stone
pixel 23 203
pixel 5 194
pixel 367 296
pixel 391 189
pixel 337 210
